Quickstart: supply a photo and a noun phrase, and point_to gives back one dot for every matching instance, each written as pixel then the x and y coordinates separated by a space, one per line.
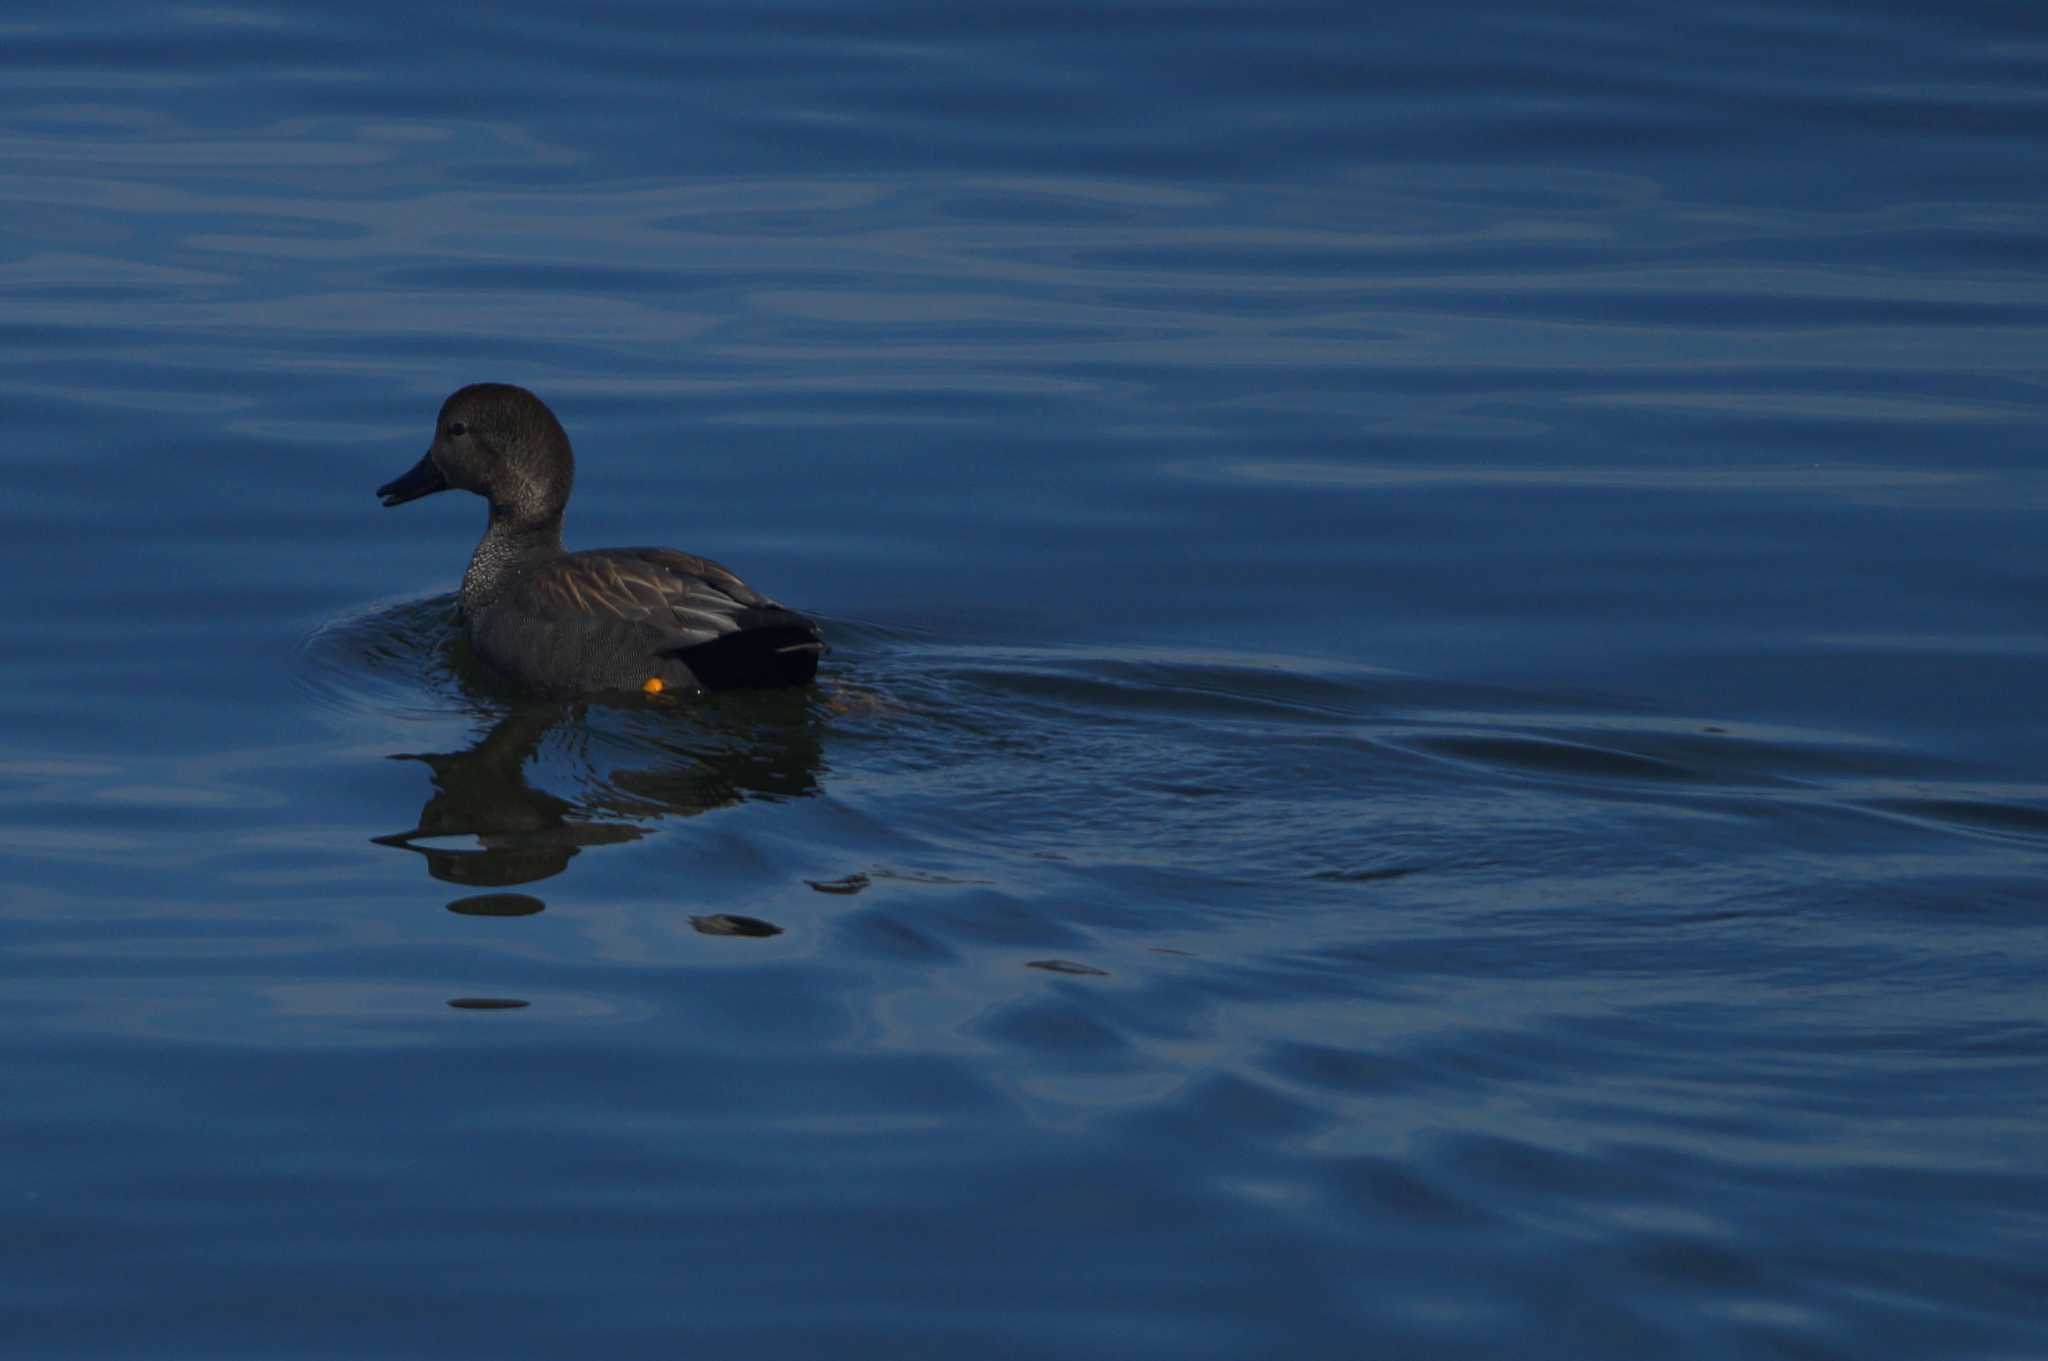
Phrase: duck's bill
pixel 424 480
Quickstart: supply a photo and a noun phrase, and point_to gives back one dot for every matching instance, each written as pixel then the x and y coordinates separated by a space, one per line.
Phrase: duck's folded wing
pixel 686 600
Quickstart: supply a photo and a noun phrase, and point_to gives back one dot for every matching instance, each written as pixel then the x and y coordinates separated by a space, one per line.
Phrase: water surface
pixel 1433 743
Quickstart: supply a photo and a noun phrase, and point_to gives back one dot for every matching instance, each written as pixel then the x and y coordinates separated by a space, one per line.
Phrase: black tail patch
pixel 755 659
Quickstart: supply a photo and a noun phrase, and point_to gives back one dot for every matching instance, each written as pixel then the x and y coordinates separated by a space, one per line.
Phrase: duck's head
pixel 500 442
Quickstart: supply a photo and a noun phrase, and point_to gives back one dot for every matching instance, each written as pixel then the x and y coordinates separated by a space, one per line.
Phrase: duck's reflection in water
pixel 716 753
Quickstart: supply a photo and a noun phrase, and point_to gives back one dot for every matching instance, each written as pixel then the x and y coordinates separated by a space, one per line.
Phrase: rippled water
pixel 1433 745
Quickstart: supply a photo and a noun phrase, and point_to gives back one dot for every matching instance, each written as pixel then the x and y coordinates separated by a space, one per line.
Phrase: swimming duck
pixel 562 624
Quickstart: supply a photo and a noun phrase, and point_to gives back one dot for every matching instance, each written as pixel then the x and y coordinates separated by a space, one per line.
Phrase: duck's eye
pixel 458 428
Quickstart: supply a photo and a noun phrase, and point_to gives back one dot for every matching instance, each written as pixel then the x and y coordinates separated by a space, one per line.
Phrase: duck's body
pixel 617 618
pixel 562 624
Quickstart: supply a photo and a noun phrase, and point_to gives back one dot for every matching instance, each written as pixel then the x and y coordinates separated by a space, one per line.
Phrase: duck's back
pixel 618 618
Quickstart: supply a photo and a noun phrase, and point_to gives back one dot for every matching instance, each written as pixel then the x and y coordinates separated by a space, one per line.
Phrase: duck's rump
pixel 615 619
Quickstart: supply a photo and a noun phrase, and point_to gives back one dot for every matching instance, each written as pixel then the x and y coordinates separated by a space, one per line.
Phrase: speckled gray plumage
pixel 562 624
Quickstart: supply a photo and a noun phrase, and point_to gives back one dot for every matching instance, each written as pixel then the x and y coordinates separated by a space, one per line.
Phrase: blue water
pixel 1434 742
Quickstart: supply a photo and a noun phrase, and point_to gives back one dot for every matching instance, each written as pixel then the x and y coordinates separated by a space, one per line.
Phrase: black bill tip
pixel 424 480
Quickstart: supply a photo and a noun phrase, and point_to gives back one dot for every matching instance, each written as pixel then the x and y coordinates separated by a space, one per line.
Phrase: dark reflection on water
pixel 497 905
pixel 1067 966
pixel 524 833
pixel 689 757
pixel 732 924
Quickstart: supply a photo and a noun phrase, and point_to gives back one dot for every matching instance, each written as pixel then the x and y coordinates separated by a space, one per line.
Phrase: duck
pixel 559 624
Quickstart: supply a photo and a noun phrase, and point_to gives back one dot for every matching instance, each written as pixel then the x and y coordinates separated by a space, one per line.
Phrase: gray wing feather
pixel 685 600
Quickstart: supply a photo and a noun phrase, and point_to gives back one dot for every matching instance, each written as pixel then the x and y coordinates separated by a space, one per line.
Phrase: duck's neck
pixel 508 547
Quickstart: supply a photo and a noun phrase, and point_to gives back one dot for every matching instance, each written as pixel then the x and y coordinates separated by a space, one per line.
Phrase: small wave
pixel 387 660
pixel 1552 757
pixel 2024 820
